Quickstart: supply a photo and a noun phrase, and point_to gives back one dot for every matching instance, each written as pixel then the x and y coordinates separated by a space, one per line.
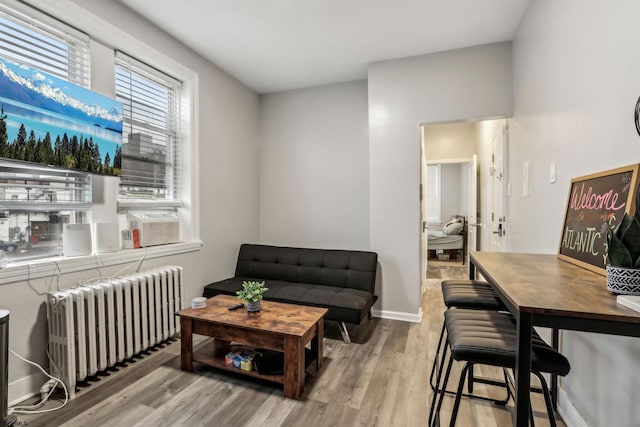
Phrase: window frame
pixel 111 37
pixel 173 142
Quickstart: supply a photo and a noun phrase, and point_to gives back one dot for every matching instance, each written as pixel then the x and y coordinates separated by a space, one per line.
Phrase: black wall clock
pixel 637 116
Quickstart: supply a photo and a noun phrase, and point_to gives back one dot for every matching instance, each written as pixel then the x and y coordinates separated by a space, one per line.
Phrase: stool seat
pixel 470 294
pixel 489 338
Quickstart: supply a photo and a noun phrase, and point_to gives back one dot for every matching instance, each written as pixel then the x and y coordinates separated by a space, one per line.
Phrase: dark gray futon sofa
pixel 342 281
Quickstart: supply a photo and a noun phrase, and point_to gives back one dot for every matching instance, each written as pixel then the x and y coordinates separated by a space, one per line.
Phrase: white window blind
pixel 35 203
pixel 150 151
pixel 33 188
pixel 30 38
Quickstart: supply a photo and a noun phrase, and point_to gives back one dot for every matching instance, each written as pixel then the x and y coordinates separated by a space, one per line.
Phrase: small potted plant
pixel 251 294
pixel 623 254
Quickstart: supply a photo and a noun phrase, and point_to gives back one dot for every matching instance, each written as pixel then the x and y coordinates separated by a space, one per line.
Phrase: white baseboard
pixel 25 387
pixel 398 315
pixel 568 412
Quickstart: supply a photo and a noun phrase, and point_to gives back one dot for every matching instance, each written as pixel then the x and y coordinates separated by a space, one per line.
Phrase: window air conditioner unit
pixel 155 228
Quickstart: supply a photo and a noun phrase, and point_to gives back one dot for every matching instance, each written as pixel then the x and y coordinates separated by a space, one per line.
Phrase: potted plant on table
pixel 251 294
pixel 623 254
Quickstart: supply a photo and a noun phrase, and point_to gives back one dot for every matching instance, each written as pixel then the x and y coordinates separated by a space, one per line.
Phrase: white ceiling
pixel 275 45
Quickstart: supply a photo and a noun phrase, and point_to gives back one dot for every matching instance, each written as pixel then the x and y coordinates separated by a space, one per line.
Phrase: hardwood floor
pixel 381 379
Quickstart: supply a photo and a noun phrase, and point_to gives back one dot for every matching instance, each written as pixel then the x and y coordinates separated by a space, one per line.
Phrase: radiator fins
pixel 94 327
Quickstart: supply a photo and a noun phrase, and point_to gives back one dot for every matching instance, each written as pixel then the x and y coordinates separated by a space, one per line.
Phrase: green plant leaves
pixel 631 239
pixel 618 254
pixel 251 291
pixel 623 242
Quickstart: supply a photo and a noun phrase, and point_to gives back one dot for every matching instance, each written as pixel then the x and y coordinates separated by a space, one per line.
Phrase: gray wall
pixel 575 87
pixel 403 94
pixel 454 186
pixel 228 182
pixel 314 173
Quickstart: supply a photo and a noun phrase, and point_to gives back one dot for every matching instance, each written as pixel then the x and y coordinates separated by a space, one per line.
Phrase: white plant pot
pixel 622 280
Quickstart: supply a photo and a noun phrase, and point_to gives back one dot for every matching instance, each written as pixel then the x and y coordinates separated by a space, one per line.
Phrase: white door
pixel 472 208
pixel 499 180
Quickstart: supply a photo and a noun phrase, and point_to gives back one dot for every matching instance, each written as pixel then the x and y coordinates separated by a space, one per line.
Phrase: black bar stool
pixel 490 338
pixel 469 294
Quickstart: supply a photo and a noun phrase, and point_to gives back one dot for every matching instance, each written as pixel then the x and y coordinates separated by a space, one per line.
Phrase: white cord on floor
pixel 25 409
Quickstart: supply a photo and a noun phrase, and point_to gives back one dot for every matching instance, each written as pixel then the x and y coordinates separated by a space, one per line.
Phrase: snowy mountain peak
pixel 41 85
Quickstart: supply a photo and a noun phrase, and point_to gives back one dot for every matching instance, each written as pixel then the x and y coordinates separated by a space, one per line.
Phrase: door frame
pixel 481 224
pixel 465 161
pixel 502 193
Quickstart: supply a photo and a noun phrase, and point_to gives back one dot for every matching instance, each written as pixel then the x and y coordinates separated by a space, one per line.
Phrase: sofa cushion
pixel 344 304
pixel 339 268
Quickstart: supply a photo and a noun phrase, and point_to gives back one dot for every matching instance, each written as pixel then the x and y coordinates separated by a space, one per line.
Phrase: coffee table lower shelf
pixel 212 352
pixel 288 328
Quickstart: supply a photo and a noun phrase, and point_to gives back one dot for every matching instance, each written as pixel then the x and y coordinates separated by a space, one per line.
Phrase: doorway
pixel 471 148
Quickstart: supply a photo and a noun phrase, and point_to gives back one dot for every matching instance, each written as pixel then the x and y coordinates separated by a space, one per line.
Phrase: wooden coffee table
pixel 278 326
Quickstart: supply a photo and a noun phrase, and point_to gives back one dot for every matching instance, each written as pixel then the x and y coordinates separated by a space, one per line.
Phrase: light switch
pixel 552 173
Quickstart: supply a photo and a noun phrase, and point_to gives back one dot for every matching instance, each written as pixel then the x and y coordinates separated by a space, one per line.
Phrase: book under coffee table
pixel 277 326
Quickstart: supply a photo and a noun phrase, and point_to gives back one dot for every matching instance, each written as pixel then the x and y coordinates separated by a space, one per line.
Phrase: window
pixel 150 149
pixel 434 215
pixel 35 201
pixel 52 47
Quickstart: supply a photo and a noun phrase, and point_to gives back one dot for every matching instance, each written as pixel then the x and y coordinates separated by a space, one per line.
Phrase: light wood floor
pixel 381 379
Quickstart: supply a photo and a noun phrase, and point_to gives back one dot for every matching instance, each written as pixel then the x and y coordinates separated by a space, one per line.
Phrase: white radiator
pixel 94 327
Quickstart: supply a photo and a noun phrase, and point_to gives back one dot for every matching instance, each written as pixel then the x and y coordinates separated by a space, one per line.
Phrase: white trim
pixel 448 161
pixel 36 269
pixel 568 412
pixel 25 387
pixel 398 315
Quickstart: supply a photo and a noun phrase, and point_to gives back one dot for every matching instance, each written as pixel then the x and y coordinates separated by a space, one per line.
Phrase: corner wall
pixel 471 83
pixel 314 171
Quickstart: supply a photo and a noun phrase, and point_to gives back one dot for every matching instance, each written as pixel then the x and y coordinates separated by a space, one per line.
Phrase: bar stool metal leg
pixel 436 415
pixel 456 405
pixel 436 389
pixel 435 358
pixel 547 399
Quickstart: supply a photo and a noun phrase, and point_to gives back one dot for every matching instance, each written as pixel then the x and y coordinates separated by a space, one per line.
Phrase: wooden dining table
pixel 543 290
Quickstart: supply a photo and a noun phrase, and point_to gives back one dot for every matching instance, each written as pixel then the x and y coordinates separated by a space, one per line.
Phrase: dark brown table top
pixel 544 284
pixel 280 318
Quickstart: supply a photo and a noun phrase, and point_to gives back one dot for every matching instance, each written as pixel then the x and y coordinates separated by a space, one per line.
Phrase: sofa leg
pixel 345 332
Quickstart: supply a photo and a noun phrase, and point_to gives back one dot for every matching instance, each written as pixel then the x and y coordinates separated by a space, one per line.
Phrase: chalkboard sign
pixel 596 202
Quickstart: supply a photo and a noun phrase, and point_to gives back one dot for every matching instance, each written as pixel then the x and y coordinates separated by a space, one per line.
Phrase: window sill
pixel 37 269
